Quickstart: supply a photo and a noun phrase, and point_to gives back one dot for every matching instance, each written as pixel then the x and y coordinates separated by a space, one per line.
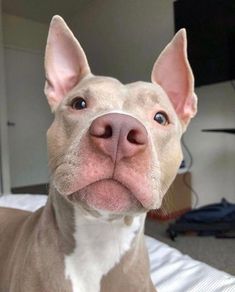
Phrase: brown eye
pixel 161 118
pixel 78 103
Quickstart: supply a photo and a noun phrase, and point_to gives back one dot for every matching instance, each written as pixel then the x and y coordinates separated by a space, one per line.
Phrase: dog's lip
pixel 103 180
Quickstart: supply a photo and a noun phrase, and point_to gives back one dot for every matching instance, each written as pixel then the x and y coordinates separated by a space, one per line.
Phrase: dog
pixel 114 149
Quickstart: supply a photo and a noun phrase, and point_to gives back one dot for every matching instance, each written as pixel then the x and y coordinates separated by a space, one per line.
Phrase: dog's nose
pixel 118 135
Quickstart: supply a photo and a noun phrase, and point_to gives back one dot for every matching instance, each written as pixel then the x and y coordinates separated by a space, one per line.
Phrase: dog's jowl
pixel 114 149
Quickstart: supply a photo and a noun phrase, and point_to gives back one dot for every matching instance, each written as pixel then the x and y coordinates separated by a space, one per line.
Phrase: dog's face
pixel 114 147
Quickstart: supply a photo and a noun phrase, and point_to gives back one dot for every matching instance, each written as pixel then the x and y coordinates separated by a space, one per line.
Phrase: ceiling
pixel 42 10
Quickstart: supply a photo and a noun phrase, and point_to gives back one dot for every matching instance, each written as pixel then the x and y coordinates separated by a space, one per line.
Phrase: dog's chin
pixel 107 195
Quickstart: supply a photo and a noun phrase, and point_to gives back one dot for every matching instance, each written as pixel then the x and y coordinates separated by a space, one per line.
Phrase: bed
pixel 171 271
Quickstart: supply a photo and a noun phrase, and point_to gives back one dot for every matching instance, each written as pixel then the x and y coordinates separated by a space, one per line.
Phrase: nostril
pixel 101 131
pixel 131 137
pixel 108 132
pixel 136 137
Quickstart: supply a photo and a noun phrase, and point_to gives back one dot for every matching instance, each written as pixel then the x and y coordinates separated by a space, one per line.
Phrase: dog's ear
pixel 173 73
pixel 65 62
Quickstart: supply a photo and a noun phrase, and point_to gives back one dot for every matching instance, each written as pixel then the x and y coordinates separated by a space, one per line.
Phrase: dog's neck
pixel 92 244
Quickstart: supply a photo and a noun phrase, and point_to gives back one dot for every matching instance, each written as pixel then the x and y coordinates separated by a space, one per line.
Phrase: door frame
pixel 5 184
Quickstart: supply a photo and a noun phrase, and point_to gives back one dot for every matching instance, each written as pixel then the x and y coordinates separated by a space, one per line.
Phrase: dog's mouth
pixel 107 195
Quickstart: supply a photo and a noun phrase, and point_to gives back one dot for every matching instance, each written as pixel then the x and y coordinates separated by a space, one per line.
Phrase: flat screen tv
pixel 210 28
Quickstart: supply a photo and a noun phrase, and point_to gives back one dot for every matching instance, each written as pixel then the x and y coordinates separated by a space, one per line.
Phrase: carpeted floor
pixel 219 253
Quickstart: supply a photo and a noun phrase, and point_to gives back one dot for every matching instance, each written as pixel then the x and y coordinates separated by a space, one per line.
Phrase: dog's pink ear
pixel 173 72
pixel 65 62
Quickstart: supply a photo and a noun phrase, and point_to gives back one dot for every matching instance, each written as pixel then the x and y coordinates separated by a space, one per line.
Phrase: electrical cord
pixel 196 197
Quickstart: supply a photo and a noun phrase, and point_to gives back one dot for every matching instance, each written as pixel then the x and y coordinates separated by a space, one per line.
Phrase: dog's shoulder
pixel 10 221
pixel 12 215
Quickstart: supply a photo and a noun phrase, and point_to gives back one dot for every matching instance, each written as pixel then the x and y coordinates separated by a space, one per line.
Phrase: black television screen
pixel 210 26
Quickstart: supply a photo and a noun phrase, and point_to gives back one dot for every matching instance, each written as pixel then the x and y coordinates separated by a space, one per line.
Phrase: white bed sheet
pixel 171 271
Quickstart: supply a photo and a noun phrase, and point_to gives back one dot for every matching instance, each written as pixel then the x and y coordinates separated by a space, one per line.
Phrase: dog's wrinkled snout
pixel 118 136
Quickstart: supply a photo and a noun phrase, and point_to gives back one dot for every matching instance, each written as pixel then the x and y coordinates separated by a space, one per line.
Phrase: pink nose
pixel 118 136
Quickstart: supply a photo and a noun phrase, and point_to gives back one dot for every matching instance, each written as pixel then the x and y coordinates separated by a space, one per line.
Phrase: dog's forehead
pixel 145 93
pixel 101 84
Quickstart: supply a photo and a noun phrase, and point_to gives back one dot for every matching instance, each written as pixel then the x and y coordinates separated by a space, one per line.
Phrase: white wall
pixel 24 42
pixel 214 154
pixel 123 38
pixel 21 33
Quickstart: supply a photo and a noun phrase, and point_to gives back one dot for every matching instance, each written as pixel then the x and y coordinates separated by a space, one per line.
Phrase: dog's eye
pixel 78 103
pixel 161 118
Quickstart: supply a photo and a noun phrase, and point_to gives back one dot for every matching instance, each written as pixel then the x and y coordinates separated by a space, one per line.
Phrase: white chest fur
pixel 100 245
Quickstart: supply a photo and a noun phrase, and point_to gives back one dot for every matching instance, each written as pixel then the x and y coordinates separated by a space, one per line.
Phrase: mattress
pixel 171 271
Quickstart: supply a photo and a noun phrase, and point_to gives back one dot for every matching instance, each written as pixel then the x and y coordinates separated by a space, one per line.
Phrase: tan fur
pixel 31 257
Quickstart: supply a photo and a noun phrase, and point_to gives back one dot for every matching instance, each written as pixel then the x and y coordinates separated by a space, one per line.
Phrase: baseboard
pixel 32 189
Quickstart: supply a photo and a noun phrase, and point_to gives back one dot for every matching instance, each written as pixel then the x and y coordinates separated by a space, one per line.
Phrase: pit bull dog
pixel 114 150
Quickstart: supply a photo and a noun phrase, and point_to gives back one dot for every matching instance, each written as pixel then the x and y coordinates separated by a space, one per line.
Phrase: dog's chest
pixel 99 247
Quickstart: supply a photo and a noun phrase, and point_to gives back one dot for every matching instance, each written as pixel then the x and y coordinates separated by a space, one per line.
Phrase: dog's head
pixel 115 147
